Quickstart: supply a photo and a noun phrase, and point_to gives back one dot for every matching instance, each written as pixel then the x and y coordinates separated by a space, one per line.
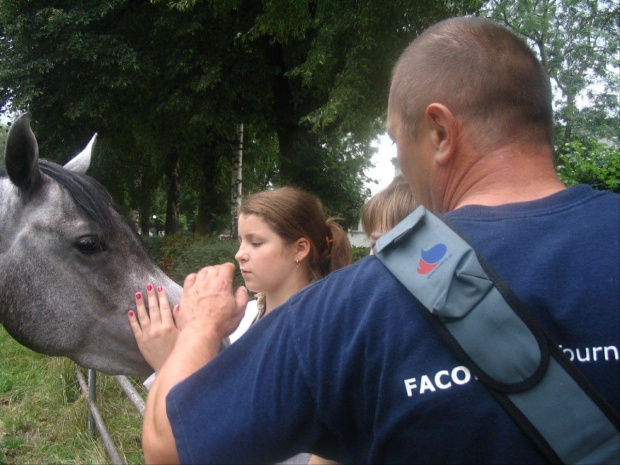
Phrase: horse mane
pixel 91 198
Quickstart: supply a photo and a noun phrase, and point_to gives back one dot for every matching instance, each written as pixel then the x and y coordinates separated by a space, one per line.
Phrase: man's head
pixel 482 75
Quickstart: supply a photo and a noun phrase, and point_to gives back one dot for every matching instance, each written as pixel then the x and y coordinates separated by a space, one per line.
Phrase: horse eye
pixel 90 245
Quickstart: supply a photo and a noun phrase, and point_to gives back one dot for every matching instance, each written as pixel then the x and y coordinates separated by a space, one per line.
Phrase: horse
pixel 70 261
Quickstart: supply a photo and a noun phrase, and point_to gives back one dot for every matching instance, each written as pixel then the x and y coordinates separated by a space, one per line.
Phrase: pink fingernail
pixel 149 287
pixel 130 313
pixel 160 289
pixel 138 295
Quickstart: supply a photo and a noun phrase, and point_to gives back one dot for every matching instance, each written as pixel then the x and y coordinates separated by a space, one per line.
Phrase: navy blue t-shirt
pixel 351 369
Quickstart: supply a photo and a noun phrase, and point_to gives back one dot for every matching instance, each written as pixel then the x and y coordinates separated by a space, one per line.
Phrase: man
pixel 350 368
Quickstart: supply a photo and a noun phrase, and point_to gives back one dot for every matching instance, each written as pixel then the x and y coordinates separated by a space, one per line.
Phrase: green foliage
pixel 181 255
pixel 357 253
pixel 168 81
pixel 261 165
pixel 578 44
pixel 3 133
pixel 593 163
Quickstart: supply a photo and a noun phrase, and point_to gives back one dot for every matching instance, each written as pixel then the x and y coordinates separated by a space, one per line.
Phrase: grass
pixel 43 413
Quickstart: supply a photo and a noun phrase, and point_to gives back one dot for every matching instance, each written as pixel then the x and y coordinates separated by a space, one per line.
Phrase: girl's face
pixel 267 263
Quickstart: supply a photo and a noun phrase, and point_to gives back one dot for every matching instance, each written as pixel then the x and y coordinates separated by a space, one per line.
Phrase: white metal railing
pixel 95 419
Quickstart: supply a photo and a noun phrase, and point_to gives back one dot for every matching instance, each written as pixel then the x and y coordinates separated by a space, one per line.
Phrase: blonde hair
pixel 294 213
pixel 388 208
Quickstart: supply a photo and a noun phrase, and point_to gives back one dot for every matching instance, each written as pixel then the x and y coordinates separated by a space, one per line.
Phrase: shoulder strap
pixel 492 332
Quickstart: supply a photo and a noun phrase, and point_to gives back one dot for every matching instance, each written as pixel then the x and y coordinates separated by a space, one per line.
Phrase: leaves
pixel 170 80
pixel 593 163
pixel 578 42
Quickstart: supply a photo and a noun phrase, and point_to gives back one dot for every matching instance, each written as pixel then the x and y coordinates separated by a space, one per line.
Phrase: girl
pixel 386 209
pixel 286 242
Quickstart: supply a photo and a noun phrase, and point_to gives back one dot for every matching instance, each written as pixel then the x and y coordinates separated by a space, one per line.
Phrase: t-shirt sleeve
pixel 250 404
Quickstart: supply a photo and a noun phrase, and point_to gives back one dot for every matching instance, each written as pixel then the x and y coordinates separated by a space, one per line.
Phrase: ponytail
pixel 338 247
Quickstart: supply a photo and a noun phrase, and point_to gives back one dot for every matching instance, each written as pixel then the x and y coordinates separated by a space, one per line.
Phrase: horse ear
pixel 81 161
pixel 21 156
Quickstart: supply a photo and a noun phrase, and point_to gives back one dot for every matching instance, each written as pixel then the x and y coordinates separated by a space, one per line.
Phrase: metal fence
pixel 95 420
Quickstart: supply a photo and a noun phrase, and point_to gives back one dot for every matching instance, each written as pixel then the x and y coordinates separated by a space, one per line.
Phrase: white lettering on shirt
pixel 443 379
pixel 410 385
pixel 438 381
pixel 591 354
pixel 426 385
pixel 460 375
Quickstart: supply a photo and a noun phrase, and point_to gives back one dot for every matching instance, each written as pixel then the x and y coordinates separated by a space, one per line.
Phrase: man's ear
pixel 444 131
pixel 303 248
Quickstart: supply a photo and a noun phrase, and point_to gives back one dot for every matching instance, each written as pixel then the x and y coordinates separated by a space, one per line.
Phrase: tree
pixel 166 84
pixel 124 69
pixel 578 44
pixel 326 70
pixel 76 66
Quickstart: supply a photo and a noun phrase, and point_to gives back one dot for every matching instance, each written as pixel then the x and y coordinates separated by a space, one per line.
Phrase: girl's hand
pixel 155 331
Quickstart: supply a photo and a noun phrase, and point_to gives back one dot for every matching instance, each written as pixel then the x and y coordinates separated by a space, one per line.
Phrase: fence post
pixel 95 420
pixel 98 421
pixel 135 398
pixel 92 397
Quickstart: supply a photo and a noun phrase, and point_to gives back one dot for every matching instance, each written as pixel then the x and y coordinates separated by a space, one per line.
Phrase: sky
pixel 383 171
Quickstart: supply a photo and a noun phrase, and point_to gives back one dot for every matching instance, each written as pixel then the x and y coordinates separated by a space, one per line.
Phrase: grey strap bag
pixel 556 406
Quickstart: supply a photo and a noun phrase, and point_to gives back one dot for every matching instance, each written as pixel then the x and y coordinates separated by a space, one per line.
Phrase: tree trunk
pixel 203 220
pixel 570 116
pixel 298 145
pixel 145 219
pixel 236 185
pixel 210 201
pixel 143 197
pixel 174 196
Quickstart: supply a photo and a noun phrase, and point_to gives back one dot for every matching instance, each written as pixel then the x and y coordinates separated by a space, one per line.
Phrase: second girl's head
pixel 296 217
pixel 387 208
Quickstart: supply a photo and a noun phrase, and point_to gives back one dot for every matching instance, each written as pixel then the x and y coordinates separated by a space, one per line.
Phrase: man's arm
pixel 209 312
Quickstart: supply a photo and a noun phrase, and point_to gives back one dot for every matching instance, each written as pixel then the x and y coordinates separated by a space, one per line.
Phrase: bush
pixel 181 255
pixel 592 162
pixel 357 253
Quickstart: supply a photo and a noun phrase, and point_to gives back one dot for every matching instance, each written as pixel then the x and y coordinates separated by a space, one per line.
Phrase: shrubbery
pixel 593 163
pixel 180 255
pixel 358 253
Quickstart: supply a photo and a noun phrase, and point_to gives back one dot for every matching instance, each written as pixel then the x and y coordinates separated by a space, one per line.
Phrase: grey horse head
pixel 70 262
